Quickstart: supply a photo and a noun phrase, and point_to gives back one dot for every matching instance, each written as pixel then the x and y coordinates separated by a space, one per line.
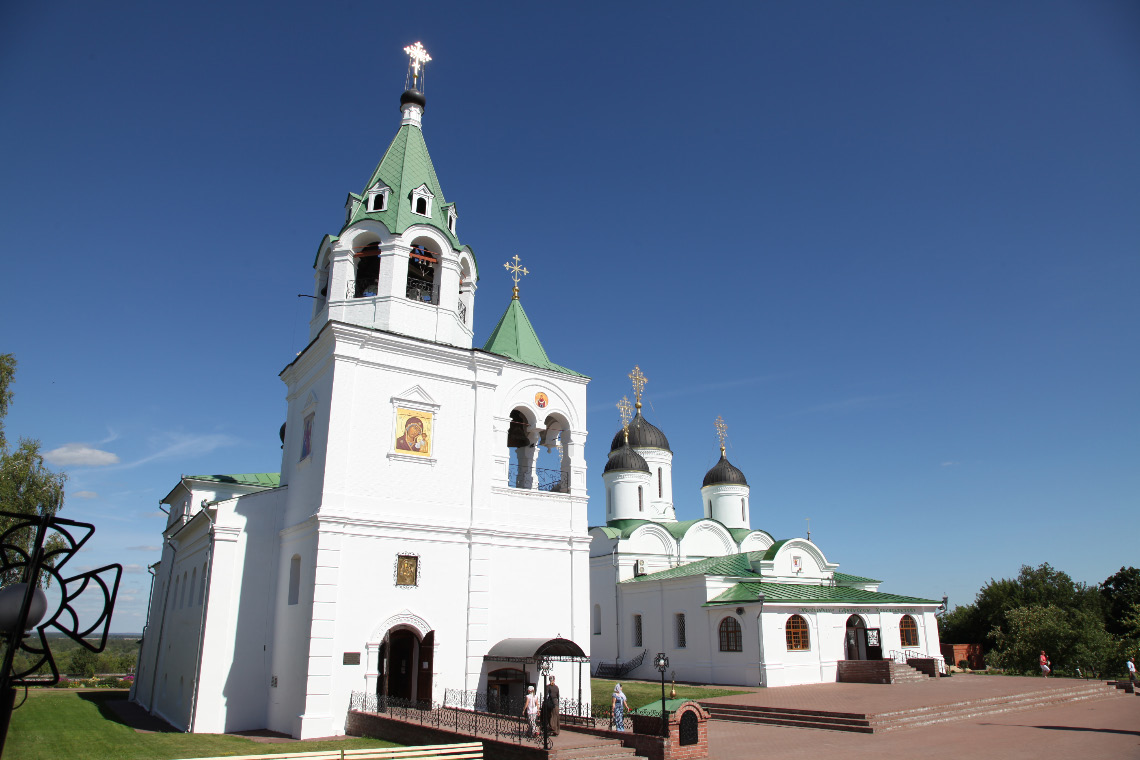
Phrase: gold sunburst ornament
pixel 517 272
pixel 721 432
pixel 639 380
pixel 626 412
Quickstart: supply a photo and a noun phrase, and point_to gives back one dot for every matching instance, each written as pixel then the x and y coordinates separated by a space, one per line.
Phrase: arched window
pixel 176 583
pixel 660 485
pixel 295 579
pixel 680 629
pixel 797 633
pixel 742 515
pixel 367 271
pixel 421 205
pixel 185 588
pixel 730 638
pixel 597 620
pixel 908 631
pixel 640 499
pixel 637 630
pixel 520 452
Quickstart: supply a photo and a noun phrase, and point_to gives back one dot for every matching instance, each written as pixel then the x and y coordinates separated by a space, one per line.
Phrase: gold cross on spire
pixel 626 412
pixel 418 57
pixel 516 273
pixel 639 381
pixel 721 432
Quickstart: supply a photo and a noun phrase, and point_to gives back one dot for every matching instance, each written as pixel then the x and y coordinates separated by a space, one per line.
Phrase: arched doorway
pixel 856 639
pixel 406 665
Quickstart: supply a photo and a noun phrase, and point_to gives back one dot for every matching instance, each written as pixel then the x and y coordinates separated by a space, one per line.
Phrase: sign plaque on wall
pixel 351 658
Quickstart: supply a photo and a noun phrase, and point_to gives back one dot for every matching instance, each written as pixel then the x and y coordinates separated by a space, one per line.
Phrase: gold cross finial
pixel 721 432
pixel 626 412
pixel 639 381
pixel 418 57
pixel 516 273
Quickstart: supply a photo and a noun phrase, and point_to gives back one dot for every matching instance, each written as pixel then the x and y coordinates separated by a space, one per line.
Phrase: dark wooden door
pixel 423 685
pixel 401 665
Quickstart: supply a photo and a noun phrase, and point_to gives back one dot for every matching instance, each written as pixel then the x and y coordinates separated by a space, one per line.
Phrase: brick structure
pixel 971 653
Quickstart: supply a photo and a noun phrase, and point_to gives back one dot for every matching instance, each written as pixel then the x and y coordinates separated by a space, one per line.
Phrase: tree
pixel 1072 638
pixel 1121 594
pixel 27 485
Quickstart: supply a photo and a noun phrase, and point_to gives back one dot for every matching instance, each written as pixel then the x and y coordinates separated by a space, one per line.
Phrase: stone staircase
pixel 909 717
pixel 1126 686
pixel 877 671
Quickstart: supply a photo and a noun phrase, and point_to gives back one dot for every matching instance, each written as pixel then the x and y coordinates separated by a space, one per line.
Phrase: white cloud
pixel 134 569
pixel 84 495
pixel 143 548
pixel 182 446
pixel 80 455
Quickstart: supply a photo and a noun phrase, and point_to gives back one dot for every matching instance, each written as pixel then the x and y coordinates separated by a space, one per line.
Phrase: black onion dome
pixel 642 435
pixel 625 458
pixel 413 96
pixel 724 473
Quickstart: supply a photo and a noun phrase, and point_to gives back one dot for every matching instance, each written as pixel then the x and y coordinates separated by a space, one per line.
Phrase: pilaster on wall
pixel 317 718
pixel 478 611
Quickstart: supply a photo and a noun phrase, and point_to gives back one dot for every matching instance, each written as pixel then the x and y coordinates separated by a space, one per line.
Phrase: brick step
pixel 607 749
pixel 757 716
pixel 788 722
pixel 1049 694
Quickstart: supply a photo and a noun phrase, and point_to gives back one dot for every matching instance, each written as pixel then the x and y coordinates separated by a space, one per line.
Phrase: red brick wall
pixel 972 653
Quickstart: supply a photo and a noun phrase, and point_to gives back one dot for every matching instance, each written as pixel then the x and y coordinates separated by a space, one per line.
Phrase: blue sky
pixel 893 244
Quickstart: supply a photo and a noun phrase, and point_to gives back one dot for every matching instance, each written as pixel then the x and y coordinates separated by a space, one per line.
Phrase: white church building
pixel 420 476
pixel 726 603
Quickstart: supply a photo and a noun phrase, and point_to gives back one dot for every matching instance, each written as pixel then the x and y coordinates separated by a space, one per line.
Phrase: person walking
pixel 617 707
pixel 552 707
pixel 1045 669
pixel 1131 664
pixel 530 710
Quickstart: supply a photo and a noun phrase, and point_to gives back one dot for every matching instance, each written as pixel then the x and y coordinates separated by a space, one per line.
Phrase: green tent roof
pixel 514 338
pixel 263 479
pixel 405 166
pixel 750 591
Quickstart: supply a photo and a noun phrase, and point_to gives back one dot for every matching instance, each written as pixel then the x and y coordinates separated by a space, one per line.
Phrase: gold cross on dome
pixel 419 57
pixel 517 272
pixel 626 412
pixel 721 432
pixel 639 381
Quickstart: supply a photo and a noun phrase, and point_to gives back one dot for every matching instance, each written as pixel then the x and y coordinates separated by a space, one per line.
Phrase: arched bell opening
pixel 552 460
pixel 521 451
pixel 367 276
pixel 423 271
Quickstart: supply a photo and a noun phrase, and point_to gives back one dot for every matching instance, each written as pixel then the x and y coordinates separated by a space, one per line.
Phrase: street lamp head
pixel 545 666
pixel 661 662
pixel 12 598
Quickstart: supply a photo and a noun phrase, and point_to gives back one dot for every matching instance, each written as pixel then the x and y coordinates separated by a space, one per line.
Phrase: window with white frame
pixel 452 216
pixel 421 201
pixel 378 197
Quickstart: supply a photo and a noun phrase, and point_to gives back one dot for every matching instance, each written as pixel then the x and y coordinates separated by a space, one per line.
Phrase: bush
pixel 963 665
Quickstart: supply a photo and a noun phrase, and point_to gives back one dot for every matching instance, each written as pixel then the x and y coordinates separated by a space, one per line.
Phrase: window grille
pixel 637 630
pixel 797 634
pixel 730 636
pixel 680 630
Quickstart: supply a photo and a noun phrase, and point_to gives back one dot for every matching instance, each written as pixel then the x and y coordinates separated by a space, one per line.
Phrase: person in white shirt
pixel 1131 670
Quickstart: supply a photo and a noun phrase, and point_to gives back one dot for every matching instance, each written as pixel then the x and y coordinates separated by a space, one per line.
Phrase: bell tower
pixel 397 264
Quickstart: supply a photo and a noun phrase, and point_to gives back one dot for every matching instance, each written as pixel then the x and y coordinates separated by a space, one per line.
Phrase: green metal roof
pixel 405 166
pixel 739 534
pixel 676 529
pixel 750 591
pixel 263 479
pixel 845 578
pixel 773 549
pixel 514 338
pixel 735 565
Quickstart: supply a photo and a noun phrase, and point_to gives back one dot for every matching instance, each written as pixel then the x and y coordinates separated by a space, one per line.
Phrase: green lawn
pixel 75 725
pixel 643 692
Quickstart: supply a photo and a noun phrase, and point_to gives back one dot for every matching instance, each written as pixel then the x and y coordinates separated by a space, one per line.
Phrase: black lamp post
pixel 23 605
pixel 661 662
pixel 544 667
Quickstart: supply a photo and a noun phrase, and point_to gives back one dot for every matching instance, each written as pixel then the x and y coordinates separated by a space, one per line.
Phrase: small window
pixel 742 515
pixel 640 499
pixel 908 631
pixel 295 579
pixel 597 620
pixel 797 634
pixel 731 639
pixel 637 630
pixel 307 438
pixel 379 202
pixel 680 625
pixel 660 485
pixel 421 206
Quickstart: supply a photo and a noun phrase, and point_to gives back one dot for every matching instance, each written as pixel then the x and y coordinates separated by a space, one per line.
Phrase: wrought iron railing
pixel 420 290
pixel 570 711
pixel 460 720
pixel 619 669
pixel 553 481
pixel 915 654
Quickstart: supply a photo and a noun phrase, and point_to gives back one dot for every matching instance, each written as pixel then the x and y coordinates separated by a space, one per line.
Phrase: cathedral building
pixel 420 475
pixel 726 603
